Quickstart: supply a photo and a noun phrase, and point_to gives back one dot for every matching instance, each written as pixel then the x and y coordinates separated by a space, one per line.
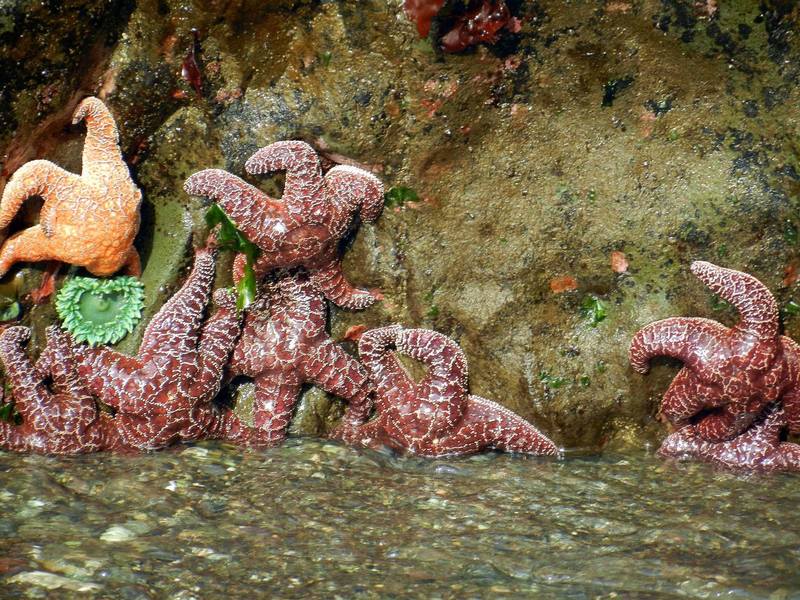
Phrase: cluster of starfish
pixel 739 387
pixel 160 396
pixel 736 394
pixel 165 393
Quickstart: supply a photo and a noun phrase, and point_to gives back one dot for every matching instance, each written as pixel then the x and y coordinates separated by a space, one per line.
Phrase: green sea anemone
pixel 100 311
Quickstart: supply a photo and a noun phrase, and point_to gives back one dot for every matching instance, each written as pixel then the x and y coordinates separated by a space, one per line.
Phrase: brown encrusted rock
pixel 659 130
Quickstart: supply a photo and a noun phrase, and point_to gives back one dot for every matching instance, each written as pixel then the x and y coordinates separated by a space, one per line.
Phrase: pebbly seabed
pixel 314 519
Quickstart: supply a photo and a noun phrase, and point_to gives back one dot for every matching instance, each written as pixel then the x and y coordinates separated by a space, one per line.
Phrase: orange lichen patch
pixel 48 285
pixel 646 124
pixel 619 264
pixel 617 7
pixel 88 220
pixel 354 333
pixel 789 275
pixel 563 284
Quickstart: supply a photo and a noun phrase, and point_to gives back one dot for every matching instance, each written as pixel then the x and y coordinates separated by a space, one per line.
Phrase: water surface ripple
pixel 317 520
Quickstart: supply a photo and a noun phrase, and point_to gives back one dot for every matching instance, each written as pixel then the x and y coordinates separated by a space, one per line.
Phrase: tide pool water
pixel 314 519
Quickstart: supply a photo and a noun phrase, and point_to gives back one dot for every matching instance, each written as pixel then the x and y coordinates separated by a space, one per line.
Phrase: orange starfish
pixel 88 220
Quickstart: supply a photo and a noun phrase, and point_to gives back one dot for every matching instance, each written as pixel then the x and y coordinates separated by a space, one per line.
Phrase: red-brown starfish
pixel 757 449
pixel 64 421
pixel 733 373
pixel 305 226
pixel 283 345
pixel 89 220
pixel 161 396
pixel 437 416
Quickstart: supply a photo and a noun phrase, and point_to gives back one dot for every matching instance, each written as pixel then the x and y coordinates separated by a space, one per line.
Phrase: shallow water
pixel 317 520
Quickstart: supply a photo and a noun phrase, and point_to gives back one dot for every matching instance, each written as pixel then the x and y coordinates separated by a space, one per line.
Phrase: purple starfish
pixel 283 345
pixel 303 228
pixel 437 416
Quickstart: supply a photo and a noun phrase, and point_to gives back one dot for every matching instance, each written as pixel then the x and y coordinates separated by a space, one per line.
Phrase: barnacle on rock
pixel 100 311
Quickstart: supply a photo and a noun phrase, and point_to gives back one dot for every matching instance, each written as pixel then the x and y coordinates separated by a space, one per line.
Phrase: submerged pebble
pixel 313 519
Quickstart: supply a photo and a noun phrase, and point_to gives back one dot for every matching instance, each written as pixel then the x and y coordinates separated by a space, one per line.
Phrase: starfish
pixel 283 345
pixel 65 420
pixel 731 373
pixel 161 396
pixel 88 220
pixel 436 416
pixel 305 227
pixel 757 449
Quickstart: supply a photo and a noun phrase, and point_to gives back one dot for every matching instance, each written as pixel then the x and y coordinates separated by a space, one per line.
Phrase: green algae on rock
pixel 100 311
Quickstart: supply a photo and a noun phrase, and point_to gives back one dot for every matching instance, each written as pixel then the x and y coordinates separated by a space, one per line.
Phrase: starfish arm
pixel 368 435
pixel 212 423
pixel 336 372
pixel 331 282
pixel 37 178
pixel 791 398
pixel 375 351
pixel 255 213
pixel 133 264
pixel 688 339
pixel 276 394
pixel 723 424
pixel 445 383
pixel 351 189
pixel 787 457
pixel 114 378
pixel 29 391
pixel 28 245
pixel 686 396
pixel 217 339
pixel 759 448
pixel 102 157
pixel 13 438
pixel 263 265
pixel 302 191
pixel 57 362
pixel 755 303
pixel 488 424
pixel 174 329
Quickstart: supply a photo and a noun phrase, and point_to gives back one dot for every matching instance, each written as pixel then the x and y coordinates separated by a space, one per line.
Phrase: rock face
pixel 656 131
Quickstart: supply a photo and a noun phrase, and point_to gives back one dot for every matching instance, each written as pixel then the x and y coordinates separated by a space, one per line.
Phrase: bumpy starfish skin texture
pixel 283 345
pixel 436 416
pixel 757 449
pixel 305 226
pixel 163 395
pixel 733 373
pixel 89 220
pixel 65 420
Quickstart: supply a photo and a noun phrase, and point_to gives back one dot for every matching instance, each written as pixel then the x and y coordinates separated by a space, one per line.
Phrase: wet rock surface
pixel 663 130
pixel 317 520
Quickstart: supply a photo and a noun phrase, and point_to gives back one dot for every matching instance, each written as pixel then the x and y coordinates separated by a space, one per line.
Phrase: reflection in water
pixel 318 520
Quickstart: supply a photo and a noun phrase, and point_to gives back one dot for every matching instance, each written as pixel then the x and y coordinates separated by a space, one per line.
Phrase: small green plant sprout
pixel 9 309
pixel 325 58
pixel 790 232
pixel 594 309
pixel 8 412
pixel 230 238
pixel 791 309
pixel 398 195
pixel 551 381
pixel 100 311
